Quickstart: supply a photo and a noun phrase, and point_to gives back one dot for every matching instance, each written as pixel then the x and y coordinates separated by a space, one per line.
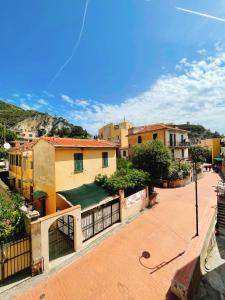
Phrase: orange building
pixel 176 139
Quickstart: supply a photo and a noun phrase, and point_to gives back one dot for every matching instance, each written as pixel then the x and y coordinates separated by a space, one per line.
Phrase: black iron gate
pixel 100 218
pixel 15 257
pixel 61 236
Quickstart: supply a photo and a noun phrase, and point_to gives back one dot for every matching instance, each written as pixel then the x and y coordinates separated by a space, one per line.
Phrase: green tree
pixel 6 134
pixel 123 164
pixel 152 157
pixel 200 154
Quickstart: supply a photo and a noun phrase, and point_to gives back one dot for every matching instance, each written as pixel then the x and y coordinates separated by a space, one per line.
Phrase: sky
pixel 99 61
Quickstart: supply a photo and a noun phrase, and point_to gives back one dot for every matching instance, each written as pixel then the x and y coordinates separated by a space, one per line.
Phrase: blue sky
pixel 143 60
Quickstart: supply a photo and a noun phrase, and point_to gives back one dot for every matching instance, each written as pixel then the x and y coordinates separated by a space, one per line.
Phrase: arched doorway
pixel 61 237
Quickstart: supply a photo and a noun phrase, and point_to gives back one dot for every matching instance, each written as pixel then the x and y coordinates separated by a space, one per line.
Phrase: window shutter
pixel 105 162
pixel 78 162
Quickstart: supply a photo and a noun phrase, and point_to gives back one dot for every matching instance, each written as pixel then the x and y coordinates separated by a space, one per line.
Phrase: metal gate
pixel 100 218
pixel 61 236
pixel 15 257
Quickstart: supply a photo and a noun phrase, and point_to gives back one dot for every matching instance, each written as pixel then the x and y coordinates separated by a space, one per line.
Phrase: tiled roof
pixel 25 146
pixel 89 143
pixel 154 127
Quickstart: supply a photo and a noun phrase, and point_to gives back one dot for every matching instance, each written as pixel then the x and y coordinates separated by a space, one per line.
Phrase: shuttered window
pixel 78 162
pixel 105 161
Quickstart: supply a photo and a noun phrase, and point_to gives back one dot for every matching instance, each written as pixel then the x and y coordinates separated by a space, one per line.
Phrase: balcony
pixel 180 145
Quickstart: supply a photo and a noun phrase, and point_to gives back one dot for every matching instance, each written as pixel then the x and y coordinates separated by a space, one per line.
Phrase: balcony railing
pixel 181 144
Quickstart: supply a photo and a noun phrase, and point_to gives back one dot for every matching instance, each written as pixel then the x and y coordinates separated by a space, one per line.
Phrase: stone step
pixel 220 204
pixel 221 212
pixel 221 220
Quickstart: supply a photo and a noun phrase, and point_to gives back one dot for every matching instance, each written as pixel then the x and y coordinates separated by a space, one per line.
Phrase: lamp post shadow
pixel 146 255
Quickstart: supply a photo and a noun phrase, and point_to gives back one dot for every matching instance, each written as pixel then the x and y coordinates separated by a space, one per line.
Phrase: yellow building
pixel 62 164
pixel 116 133
pixel 21 169
pixel 176 139
pixel 214 145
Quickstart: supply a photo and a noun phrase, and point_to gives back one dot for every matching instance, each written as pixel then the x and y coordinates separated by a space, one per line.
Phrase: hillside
pixel 199 132
pixel 17 118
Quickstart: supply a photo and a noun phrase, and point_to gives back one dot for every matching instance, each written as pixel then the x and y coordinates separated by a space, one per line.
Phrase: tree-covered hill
pixel 199 132
pixel 16 118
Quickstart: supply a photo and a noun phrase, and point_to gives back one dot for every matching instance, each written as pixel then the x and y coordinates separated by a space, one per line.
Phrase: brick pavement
pixel 113 270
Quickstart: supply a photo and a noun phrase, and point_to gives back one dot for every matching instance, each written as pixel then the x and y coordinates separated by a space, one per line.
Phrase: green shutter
pixel 105 162
pixel 78 162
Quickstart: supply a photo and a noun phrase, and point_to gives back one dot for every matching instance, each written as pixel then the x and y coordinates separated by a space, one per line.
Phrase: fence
pixel 15 257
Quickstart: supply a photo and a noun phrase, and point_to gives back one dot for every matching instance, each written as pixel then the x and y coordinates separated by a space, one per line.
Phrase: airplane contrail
pixel 76 45
pixel 200 14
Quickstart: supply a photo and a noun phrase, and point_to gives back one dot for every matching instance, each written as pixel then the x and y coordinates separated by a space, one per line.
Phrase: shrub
pixel 178 170
pixel 130 180
pixel 11 218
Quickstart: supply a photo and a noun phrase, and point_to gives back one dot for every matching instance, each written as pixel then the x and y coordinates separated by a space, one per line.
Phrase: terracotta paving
pixel 114 269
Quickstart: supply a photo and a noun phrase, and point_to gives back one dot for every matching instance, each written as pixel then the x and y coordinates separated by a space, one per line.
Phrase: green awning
pixel 86 195
pixel 39 194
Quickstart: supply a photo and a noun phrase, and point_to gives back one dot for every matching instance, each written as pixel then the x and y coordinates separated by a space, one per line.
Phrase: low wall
pixel 192 267
pixel 133 204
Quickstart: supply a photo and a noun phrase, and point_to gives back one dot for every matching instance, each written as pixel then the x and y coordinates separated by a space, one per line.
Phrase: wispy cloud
pixel 196 94
pixel 200 14
pixel 42 101
pixel 75 102
pixel 76 45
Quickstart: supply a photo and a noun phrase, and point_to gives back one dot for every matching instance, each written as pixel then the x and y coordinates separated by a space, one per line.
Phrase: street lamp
pixel 196 195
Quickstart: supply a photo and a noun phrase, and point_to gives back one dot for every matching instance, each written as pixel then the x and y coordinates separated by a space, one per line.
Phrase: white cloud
pixel 197 95
pixel 42 101
pixel 25 106
pixel 16 95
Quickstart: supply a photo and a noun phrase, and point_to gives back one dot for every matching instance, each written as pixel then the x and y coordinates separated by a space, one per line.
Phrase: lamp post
pixel 196 195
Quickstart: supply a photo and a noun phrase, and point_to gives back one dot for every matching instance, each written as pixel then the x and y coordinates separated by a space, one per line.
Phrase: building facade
pixel 21 169
pixel 116 133
pixel 214 145
pixel 63 164
pixel 176 139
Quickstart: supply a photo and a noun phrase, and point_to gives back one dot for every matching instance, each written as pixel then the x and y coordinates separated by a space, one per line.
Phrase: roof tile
pixel 69 142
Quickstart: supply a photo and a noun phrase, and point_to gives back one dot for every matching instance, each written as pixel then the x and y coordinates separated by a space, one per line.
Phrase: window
pixel 182 153
pixel 139 139
pixel 174 140
pixel 105 162
pixel 171 139
pixel 124 153
pixel 155 135
pixel 19 183
pixel 78 162
pixel 17 160
pixel 31 165
pixel 182 138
